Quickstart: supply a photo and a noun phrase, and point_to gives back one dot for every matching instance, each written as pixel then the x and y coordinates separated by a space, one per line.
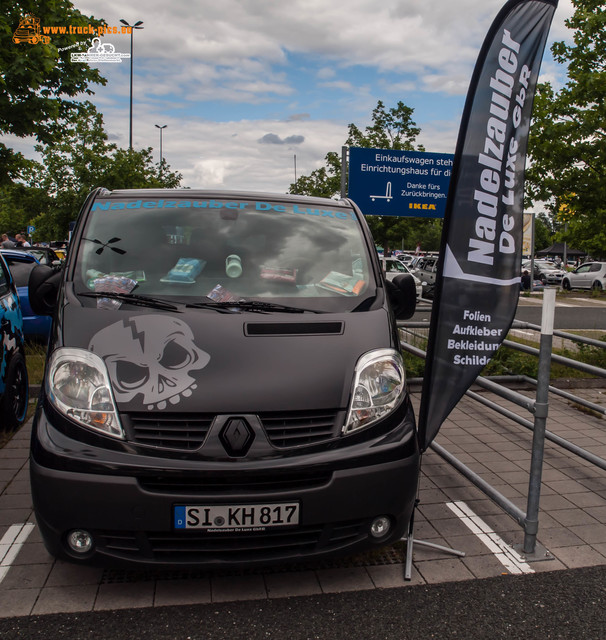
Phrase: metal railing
pixel 538 407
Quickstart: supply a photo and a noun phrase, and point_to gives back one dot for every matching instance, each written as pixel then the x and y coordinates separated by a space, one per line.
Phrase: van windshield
pixel 194 247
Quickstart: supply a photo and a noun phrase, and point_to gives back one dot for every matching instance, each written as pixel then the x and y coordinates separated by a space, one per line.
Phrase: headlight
pixel 77 384
pixel 379 380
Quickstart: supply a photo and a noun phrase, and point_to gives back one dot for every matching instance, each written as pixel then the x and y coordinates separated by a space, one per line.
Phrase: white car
pixel 394 267
pixel 590 275
pixel 406 258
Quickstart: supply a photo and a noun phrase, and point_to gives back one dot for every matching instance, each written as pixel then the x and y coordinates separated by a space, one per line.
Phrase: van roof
pixel 214 193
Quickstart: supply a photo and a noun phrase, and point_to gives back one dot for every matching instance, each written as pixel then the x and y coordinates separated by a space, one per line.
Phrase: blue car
pixel 13 371
pixel 20 264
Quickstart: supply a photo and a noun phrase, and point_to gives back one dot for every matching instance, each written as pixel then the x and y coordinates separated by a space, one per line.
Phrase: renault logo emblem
pixel 236 437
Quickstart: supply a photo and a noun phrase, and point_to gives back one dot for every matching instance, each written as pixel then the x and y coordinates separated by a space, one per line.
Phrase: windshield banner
pixel 478 280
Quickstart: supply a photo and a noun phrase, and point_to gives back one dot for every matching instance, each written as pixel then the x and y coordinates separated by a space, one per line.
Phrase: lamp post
pixel 132 28
pixel 161 128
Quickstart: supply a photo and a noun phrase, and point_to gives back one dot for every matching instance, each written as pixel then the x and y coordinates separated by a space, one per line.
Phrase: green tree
pixel 51 193
pixel 391 128
pixel 543 232
pixel 324 182
pixel 567 146
pixel 38 83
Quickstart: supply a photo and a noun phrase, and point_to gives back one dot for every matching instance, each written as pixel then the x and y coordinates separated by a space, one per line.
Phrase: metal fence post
pixel 531 524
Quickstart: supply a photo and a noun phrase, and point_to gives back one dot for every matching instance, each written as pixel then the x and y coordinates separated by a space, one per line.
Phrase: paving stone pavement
pixel 572 524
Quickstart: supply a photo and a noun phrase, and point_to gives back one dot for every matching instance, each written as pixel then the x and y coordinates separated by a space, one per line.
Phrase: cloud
pixel 298 116
pixel 272 138
pixel 339 84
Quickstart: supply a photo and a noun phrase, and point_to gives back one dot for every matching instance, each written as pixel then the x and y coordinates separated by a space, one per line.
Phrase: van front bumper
pixel 127 504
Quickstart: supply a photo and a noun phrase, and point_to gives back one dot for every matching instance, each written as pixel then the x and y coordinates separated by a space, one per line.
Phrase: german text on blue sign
pixel 384 182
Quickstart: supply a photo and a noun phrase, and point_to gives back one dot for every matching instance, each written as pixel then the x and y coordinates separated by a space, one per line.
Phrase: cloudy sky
pixel 252 90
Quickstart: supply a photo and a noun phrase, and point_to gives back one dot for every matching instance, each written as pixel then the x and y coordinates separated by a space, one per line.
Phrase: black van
pixel 223 386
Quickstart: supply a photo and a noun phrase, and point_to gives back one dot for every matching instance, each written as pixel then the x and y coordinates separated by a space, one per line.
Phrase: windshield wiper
pixel 250 305
pixel 133 298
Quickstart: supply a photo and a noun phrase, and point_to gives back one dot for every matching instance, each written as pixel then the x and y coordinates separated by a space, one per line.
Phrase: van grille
pixel 218 483
pixel 193 546
pixel 185 432
pixel 297 428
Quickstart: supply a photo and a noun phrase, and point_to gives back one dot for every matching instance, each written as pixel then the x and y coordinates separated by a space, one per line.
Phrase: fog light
pixel 80 541
pixel 380 527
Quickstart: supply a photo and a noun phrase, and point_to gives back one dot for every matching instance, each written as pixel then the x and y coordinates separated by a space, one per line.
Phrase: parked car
pixel 407 258
pixel 13 371
pixel 591 275
pixel 425 269
pixel 545 271
pixel 394 267
pixel 60 248
pixel 226 388
pixel 20 263
pixel 44 255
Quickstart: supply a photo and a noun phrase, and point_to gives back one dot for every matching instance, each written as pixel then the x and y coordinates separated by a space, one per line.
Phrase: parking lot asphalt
pixel 452 513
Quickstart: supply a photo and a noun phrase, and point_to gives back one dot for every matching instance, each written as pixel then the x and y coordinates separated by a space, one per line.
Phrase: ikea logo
pixel 424 206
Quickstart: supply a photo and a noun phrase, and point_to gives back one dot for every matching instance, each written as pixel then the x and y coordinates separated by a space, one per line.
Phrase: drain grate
pixel 394 554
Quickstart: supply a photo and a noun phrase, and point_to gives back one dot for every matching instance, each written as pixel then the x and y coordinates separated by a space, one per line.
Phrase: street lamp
pixel 132 28
pixel 161 127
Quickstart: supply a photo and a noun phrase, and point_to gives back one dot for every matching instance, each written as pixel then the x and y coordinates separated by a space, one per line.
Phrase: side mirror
pixel 402 295
pixel 43 288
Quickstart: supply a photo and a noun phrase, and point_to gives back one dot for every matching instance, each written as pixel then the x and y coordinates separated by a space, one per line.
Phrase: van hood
pixel 209 362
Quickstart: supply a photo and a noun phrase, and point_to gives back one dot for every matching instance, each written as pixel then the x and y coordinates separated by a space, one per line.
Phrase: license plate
pixel 237 517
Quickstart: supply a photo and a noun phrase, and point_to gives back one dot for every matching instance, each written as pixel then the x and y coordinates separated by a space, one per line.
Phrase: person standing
pixel 22 240
pixel 7 243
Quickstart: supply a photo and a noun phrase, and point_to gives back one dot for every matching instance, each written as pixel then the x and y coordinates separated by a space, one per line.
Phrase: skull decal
pixel 152 355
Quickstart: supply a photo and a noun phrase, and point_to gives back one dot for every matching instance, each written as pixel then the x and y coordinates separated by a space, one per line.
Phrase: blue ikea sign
pixel 384 182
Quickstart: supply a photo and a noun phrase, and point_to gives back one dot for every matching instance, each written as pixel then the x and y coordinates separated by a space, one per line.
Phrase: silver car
pixel 590 275
pixel 394 267
pixel 426 269
pixel 545 271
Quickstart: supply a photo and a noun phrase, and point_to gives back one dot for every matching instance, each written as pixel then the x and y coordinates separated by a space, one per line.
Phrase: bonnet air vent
pixel 293 328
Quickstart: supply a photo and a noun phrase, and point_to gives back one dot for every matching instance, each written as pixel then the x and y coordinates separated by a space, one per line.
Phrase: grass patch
pixel 35 356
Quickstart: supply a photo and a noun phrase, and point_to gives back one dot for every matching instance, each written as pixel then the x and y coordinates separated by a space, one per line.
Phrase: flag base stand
pixel 539 554
pixel 410 542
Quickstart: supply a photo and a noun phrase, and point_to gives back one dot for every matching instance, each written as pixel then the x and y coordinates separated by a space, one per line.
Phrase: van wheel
pixel 13 406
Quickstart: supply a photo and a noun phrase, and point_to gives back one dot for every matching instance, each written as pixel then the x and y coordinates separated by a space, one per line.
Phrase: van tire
pixel 13 405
